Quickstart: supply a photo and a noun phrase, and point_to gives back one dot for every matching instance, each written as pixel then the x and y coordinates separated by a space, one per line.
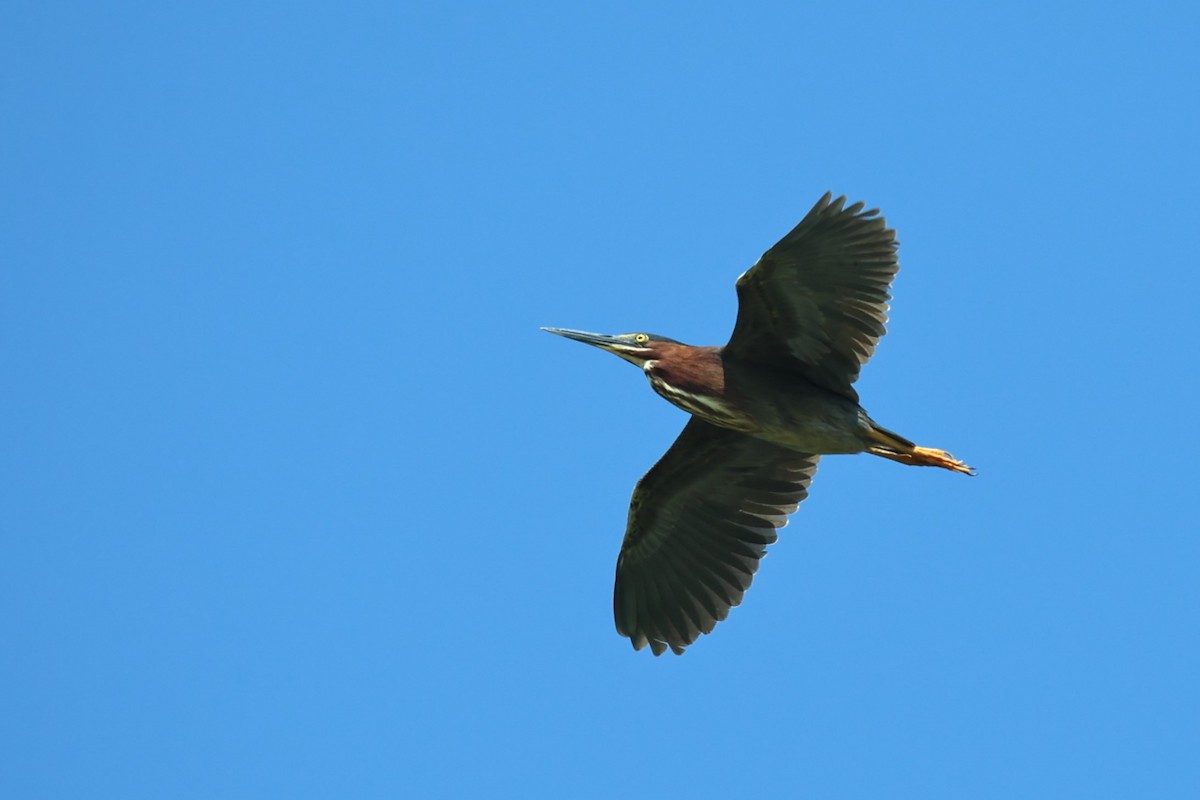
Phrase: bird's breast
pixel 705 398
pixel 779 407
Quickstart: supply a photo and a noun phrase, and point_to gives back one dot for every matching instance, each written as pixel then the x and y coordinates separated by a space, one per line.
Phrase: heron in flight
pixel 765 407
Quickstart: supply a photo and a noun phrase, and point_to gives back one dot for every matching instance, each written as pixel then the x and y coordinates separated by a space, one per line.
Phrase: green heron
pixel 765 407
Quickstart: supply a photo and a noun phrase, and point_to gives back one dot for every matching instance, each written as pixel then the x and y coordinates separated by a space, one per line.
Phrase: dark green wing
pixel 817 301
pixel 699 522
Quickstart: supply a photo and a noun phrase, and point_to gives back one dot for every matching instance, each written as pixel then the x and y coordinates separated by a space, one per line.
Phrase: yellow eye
pixel 641 338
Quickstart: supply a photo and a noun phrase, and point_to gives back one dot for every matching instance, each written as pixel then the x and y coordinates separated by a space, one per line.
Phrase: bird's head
pixel 636 348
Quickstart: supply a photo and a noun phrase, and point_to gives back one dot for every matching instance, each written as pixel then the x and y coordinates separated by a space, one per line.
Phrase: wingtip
pixel 640 640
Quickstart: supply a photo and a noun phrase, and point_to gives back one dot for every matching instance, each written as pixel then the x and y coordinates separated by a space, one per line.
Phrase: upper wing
pixel 817 301
pixel 699 522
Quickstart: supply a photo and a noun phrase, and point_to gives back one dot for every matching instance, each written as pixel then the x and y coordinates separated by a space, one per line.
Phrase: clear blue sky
pixel 297 500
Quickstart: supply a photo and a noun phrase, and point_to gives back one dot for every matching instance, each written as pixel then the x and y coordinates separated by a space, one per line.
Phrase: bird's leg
pixel 923 457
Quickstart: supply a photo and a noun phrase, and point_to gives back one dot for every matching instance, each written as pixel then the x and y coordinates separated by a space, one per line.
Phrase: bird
pixel 764 408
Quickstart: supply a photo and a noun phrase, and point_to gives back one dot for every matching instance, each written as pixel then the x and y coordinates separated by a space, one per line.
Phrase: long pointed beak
pixel 595 339
pixel 619 346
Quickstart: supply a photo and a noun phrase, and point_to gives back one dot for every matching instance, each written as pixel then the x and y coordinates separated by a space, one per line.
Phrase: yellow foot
pixel 928 457
pixel 925 457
